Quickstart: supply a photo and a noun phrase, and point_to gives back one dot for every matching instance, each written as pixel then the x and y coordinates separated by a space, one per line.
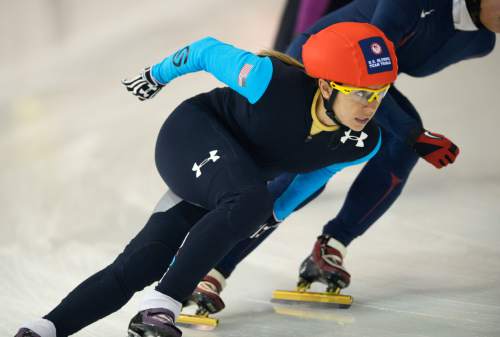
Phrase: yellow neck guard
pixel 317 126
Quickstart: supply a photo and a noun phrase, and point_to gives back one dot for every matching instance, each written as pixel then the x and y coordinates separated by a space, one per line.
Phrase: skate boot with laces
pixel 207 299
pixel 157 322
pixel 325 265
pixel 207 294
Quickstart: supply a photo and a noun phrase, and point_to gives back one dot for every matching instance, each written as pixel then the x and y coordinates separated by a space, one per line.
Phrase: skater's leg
pixel 299 15
pixel 207 293
pixel 217 173
pixel 276 187
pixel 143 261
pixel 202 162
pixel 287 25
pixel 373 192
pixel 375 189
pixel 238 213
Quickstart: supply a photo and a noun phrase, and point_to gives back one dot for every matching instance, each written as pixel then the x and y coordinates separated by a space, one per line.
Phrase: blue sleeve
pixel 244 72
pixel 304 185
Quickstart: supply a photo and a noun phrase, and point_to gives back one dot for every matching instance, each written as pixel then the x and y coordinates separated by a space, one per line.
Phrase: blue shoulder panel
pixel 304 185
pixel 244 72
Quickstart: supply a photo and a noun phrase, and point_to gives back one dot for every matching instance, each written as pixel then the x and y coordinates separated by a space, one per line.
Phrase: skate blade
pixel 330 299
pixel 197 322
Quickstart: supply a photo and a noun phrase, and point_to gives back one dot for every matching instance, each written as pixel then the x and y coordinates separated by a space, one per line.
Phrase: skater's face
pixel 354 111
pixel 490 14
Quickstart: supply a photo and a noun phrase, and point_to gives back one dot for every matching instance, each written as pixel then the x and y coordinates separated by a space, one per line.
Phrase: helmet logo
pixel 376 54
pixel 376 48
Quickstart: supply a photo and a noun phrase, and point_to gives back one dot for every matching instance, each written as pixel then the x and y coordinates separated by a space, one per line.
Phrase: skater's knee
pixel 248 209
pixel 143 266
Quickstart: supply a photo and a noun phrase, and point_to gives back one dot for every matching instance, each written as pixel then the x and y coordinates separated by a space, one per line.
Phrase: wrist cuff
pixel 413 136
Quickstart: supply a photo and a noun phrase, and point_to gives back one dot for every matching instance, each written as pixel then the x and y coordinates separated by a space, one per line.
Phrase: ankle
pixel 42 327
pixel 156 299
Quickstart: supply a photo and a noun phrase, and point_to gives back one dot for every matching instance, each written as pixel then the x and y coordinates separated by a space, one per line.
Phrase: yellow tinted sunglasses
pixel 362 95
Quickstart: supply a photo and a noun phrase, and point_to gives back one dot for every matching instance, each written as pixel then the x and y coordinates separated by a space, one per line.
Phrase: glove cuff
pixel 413 135
pixel 148 75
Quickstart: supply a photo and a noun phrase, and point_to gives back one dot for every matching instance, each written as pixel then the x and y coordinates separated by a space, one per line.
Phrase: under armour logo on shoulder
pixel 197 167
pixel 423 14
pixel 359 140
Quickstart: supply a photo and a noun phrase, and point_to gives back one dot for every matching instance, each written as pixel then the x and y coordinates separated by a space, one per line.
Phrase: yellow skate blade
pixel 286 296
pixel 197 322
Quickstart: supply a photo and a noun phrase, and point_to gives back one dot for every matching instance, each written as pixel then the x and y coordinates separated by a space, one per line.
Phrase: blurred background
pixel 78 179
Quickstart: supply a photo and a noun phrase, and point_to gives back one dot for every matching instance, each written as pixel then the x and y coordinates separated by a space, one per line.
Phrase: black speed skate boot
pixel 325 265
pixel 207 294
pixel 25 332
pixel 154 323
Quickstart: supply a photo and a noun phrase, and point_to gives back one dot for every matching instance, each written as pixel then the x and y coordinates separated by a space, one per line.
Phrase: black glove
pixel 144 86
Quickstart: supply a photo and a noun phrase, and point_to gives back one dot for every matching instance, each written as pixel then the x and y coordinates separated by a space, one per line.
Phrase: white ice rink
pixel 77 178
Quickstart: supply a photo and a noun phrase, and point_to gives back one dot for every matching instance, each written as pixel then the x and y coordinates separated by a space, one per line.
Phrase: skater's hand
pixel 436 149
pixel 144 86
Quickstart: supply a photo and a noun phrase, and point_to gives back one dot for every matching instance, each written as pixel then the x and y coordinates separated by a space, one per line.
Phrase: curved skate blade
pixel 306 297
pixel 198 322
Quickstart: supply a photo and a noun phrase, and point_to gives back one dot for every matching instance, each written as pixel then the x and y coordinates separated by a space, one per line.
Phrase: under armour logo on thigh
pixel 359 140
pixel 197 167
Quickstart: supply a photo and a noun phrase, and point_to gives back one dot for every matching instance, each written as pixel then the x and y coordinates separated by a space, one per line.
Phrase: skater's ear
pixel 325 88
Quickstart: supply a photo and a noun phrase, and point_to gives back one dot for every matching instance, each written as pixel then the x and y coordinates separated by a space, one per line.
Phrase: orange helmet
pixel 354 53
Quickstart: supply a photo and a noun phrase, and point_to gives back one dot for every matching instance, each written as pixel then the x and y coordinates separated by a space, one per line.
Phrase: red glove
pixel 436 149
